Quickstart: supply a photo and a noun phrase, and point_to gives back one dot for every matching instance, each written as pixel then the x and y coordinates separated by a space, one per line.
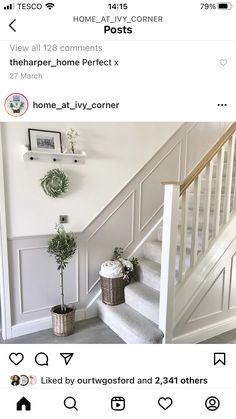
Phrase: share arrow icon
pixel 67 357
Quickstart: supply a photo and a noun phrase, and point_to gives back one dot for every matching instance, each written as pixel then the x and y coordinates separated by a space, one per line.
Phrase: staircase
pixel 196 210
pixel 136 320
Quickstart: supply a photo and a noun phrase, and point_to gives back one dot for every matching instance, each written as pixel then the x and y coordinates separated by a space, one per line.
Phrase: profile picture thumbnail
pixel 16 104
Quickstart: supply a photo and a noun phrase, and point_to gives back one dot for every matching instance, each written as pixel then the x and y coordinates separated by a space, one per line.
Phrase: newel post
pixel 168 259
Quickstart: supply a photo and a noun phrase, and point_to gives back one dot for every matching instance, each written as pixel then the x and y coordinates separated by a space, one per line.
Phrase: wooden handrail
pixel 207 158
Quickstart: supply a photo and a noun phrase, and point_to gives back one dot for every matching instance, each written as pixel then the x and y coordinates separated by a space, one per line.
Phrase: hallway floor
pixel 86 331
pixel 96 332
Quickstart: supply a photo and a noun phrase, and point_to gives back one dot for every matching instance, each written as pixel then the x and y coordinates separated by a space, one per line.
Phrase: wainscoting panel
pixel 151 189
pixel 211 302
pixel 209 292
pixel 35 285
pixel 232 290
pixel 116 230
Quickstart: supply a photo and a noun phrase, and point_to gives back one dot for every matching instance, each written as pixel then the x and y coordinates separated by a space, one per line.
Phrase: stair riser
pixel 146 308
pixel 153 252
pixel 149 278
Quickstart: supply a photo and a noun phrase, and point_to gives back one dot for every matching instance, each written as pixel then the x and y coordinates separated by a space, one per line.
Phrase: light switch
pixel 63 219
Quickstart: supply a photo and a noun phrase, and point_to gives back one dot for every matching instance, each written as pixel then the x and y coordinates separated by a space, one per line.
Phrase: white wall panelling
pixel 232 290
pixel 106 237
pixel 151 183
pixel 208 296
pixel 212 300
pixel 35 280
pixel 119 223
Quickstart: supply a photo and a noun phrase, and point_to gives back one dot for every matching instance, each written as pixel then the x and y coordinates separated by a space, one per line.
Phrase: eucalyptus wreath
pixel 55 183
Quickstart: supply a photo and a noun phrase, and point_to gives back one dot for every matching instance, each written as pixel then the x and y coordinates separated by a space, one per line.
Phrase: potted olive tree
pixel 62 246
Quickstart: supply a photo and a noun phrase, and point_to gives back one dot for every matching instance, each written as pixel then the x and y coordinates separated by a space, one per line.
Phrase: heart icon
pixel 165 402
pixel 223 62
pixel 16 358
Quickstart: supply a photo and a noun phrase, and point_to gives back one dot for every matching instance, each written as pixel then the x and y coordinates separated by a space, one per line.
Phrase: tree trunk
pixel 62 290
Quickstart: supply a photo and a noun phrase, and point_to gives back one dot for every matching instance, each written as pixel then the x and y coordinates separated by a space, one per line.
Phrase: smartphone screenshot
pixel 117 209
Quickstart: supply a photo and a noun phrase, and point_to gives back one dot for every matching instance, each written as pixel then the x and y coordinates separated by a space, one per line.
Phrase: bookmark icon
pixel 220 358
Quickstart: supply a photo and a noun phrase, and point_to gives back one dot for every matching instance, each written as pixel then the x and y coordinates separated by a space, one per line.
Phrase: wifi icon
pixel 49 5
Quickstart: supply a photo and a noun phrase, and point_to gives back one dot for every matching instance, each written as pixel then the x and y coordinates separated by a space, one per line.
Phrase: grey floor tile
pixel 87 331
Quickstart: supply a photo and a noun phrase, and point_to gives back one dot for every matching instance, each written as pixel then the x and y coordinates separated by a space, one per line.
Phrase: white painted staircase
pixel 197 215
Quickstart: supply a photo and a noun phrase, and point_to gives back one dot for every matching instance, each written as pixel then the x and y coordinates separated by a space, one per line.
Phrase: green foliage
pixel 55 183
pixel 63 246
pixel 130 274
pixel 118 253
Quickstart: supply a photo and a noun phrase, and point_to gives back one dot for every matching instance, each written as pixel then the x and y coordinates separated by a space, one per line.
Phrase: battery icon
pixel 225 6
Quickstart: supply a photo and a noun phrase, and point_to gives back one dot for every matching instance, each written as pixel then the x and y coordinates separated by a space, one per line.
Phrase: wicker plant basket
pixel 113 290
pixel 63 324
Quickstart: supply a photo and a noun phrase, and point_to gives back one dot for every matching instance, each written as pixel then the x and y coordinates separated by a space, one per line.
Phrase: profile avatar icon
pixel 15 380
pixel 212 403
pixel 16 104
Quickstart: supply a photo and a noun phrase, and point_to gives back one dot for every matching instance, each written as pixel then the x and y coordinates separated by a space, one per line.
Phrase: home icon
pixel 23 404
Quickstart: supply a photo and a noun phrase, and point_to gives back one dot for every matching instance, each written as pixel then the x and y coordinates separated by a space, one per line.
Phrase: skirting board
pixel 207 332
pixel 37 325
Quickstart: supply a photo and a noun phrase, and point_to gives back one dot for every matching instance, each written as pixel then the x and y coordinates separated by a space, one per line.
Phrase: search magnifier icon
pixel 70 403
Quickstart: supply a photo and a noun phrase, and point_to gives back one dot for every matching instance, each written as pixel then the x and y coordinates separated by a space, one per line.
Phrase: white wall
pixel 116 151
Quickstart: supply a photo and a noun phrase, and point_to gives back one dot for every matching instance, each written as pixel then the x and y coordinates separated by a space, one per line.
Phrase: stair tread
pixel 129 324
pixel 142 289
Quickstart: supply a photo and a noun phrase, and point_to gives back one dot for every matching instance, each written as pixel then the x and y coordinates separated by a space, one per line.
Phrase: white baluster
pixel 207 207
pixel 195 224
pixel 229 173
pixel 219 174
pixel 183 234
pixel 168 259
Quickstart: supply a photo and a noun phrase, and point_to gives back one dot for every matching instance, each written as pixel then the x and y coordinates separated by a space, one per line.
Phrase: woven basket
pixel 112 290
pixel 63 324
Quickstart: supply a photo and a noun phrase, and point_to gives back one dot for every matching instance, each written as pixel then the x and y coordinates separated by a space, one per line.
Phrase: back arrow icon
pixel 10 25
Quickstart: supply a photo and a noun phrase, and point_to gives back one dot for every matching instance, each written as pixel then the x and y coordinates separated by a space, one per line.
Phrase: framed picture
pixel 45 141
